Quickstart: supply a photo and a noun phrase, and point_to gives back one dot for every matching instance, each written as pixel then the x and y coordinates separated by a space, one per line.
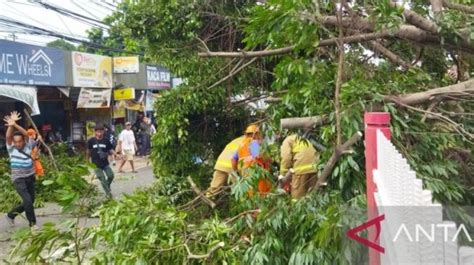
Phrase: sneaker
pixel 10 220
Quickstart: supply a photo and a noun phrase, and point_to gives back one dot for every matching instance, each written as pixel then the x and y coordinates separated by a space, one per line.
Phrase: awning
pixel 25 94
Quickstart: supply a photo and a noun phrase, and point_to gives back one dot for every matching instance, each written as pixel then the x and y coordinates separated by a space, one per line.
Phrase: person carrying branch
pixel 299 155
pixel 19 147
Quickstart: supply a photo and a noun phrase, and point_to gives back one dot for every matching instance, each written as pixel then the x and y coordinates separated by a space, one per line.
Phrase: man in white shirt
pixel 127 146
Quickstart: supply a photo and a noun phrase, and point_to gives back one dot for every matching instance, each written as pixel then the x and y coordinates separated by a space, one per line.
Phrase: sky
pixel 33 13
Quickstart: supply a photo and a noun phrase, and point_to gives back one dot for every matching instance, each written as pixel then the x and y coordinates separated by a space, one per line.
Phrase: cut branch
pixel 338 152
pixel 464 89
pixel 302 123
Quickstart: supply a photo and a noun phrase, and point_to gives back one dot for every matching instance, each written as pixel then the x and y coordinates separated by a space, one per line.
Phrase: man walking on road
pixel 19 147
pixel 98 150
pixel 127 146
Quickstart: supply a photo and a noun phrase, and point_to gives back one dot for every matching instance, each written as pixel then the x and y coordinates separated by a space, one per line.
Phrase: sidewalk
pixel 124 183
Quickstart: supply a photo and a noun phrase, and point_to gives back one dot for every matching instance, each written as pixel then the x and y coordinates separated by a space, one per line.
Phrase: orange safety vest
pixel 246 160
pixel 39 171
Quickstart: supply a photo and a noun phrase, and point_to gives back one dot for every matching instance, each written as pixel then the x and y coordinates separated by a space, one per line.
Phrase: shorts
pixel 128 155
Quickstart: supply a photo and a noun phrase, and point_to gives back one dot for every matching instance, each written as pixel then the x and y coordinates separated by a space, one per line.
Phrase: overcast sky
pixel 33 13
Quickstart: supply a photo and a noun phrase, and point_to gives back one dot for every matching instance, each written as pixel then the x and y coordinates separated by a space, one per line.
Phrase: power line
pixel 40 31
pixel 74 15
pixel 85 10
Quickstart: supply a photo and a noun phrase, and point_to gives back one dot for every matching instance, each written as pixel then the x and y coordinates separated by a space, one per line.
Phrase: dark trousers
pixel 26 189
pixel 145 144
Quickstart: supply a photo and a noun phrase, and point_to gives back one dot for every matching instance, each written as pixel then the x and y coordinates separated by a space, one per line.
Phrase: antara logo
pixel 413 233
pixel 353 233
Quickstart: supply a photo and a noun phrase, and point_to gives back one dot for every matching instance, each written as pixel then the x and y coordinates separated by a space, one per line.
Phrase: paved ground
pixel 124 183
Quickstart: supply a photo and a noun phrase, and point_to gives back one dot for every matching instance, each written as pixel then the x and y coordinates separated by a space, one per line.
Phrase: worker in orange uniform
pixel 299 155
pixel 248 155
pixel 35 153
pixel 223 166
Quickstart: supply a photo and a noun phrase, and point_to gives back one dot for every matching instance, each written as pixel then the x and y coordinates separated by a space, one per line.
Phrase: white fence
pixel 413 231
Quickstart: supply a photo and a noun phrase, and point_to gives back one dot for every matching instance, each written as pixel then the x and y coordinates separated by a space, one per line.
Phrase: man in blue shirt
pixel 19 148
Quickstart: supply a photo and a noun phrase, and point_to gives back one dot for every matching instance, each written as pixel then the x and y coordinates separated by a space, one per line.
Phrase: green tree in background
pixel 62 44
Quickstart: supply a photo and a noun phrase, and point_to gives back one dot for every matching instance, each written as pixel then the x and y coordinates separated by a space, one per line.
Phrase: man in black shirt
pixel 98 150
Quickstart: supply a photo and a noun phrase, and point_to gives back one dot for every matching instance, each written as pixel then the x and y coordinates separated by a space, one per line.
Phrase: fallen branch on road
pixel 200 194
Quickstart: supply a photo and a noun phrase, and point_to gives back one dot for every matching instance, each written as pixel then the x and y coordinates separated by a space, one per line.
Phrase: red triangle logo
pixel 353 233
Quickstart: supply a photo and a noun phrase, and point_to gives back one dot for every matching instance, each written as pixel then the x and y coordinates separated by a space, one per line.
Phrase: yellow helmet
pixel 252 128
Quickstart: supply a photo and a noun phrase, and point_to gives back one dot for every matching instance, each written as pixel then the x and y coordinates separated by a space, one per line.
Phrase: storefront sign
pixel 158 77
pixel 119 112
pixel 126 64
pixel 124 93
pixel 92 98
pixel 90 70
pixel 31 65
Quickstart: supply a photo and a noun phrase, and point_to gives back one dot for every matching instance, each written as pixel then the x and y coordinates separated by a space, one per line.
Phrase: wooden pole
pixel 27 114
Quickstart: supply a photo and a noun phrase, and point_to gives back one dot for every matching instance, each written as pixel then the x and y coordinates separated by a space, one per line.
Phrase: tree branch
pixel 459 7
pixel 199 193
pixel 204 256
pixel 461 89
pixel 306 122
pixel 232 73
pixel 338 152
pixel 377 46
pixel 339 77
pixel 436 6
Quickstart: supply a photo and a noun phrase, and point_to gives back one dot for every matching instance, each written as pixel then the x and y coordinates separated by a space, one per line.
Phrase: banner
pixel 132 105
pixel 126 64
pixel 92 98
pixel 25 94
pixel 31 65
pixel 124 93
pixel 90 70
pixel 157 77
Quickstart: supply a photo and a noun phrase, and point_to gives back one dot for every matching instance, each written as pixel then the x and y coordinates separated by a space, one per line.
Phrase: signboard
pixel 31 65
pixel 93 98
pixel 126 64
pixel 124 93
pixel 157 77
pixel 90 70
pixel 119 112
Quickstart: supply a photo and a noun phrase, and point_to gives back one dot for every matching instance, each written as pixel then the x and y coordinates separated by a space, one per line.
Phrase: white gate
pixel 401 198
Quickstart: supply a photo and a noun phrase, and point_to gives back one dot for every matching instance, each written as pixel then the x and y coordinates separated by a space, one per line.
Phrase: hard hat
pixel 31 132
pixel 252 128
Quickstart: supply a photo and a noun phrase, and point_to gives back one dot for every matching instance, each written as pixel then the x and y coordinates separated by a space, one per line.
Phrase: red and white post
pixel 373 121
